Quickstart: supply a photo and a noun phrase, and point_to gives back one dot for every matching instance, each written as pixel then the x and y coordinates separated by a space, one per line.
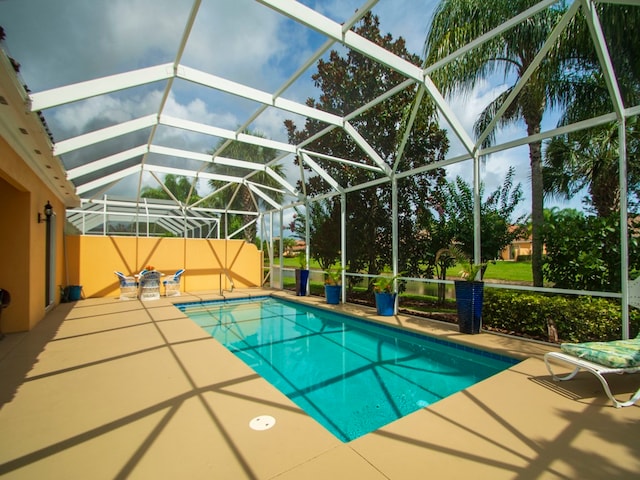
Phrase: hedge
pixel 575 319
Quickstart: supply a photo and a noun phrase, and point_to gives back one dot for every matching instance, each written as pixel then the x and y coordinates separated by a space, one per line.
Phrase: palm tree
pixel 241 196
pixel 590 158
pixel 458 22
pixel 179 186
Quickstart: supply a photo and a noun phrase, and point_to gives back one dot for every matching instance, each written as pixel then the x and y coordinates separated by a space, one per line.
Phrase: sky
pixel 59 42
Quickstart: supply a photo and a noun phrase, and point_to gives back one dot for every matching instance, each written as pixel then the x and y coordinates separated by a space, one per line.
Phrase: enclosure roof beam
pixel 87 187
pixel 224 133
pixel 100 86
pixel 281 181
pixel 373 168
pixel 232 162
pixel 254 188
pixel 165 189
pixel 321 171
pixel 175 152
pixel 106 162
pixel 238 89
pixel 103 134
pixel 602 51
pixel 191 173
pixel 331 29
pixel 368 149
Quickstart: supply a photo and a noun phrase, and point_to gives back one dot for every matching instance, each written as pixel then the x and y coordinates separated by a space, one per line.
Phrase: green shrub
pixel 589 260
pixel 576 319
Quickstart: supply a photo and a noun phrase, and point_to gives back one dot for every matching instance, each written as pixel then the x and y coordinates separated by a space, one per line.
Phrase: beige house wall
pixel 516 249
pixel 23 241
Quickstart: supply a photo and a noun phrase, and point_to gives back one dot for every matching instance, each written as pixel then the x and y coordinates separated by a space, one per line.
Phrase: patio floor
pixel 103 388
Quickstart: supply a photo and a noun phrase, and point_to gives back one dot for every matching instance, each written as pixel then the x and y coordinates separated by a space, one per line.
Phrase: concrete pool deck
pixel 103 388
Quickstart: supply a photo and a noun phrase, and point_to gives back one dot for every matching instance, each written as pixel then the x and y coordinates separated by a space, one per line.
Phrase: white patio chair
pixel 172 284
pixel 150 285
pixel 128 286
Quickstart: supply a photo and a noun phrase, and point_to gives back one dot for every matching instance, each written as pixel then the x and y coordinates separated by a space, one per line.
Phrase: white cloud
pixel 102 111
pixel 468 107
pixel 234 39
pixel 143 27
pixel 271 124
pixel 198 111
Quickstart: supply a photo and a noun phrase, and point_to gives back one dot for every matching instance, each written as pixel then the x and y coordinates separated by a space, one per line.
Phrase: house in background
pixel 518 250
pixel 294 249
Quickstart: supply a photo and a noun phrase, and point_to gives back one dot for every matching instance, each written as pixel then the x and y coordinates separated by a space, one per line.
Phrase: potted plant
pixel 333 284
pixel 385 294
pixel 469 290
pixel 302 275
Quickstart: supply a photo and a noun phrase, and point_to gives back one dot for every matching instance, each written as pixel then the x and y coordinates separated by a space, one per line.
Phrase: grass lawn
pixel 501 270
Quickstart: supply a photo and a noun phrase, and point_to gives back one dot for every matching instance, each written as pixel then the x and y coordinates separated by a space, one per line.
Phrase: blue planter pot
pixel 332 293
pixel 302 278
pixel 469 298
pixel 72 293
pixel 385 303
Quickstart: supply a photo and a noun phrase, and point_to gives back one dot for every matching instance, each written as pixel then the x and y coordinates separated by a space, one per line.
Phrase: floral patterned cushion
pixel 616 354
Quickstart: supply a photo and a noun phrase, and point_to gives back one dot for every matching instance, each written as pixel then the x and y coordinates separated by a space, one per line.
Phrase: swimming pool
pixel 350 375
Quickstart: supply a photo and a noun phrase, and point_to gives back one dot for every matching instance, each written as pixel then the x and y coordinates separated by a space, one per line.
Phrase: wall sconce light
pixel 48 211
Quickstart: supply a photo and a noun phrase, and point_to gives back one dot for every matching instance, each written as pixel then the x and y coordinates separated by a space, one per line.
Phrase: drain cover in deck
pixel 263 422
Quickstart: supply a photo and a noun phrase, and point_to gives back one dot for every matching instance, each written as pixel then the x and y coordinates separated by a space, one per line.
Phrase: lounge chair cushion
pixel 615 354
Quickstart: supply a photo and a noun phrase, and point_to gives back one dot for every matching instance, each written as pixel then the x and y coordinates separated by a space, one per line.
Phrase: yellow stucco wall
pixel 92 261
pixel 23 241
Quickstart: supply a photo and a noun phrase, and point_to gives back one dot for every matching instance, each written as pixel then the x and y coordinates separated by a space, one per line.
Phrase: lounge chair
pixel 128 287
pixel 172 284
pixel 150 285
pixel 603 358
pixel 600 358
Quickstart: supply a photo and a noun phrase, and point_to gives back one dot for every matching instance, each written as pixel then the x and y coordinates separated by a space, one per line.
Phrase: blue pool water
pixel 352 376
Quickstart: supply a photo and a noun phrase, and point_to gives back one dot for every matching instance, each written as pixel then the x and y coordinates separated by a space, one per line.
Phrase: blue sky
pixel 58 42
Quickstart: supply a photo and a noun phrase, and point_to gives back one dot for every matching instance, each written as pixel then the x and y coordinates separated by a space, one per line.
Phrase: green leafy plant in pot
pixel 333 284
pixel 302 275
pixel 385 294
pixel 469 290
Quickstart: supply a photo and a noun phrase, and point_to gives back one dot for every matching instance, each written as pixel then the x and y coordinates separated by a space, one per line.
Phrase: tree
pixel 585 81
pixel 433 231
pixel 324 231
pixel 240 197
pixel 591 260
pixel 180 187
pixel 347 82
pixel 589 159
pixel 457 23
pixel 498 228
